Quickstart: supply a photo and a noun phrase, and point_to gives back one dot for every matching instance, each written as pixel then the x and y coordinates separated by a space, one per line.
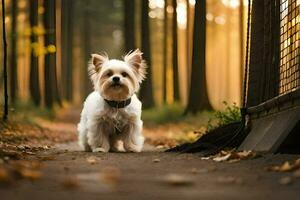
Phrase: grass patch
pixel 172 114
pixel 230 114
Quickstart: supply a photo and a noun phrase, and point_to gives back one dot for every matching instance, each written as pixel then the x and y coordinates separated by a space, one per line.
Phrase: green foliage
pixel 27 111
pixel 173 113
pixel 230 114
pixel 163 114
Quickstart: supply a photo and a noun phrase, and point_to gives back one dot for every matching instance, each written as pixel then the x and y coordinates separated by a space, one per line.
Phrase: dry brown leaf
pixel 231 156
pixel 178 180
pixel 205 158
pixel 92 160
pixel 246 154
pixel 222 158
pixel 285 167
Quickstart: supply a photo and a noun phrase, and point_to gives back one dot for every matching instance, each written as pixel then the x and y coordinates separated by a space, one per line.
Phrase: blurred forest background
pixel 194 49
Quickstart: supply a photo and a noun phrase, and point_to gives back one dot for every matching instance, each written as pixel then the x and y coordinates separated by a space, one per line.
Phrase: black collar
pixel 118 104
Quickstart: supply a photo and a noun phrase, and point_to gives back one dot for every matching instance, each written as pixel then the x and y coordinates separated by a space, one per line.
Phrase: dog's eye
pixel 109 73
pixel 124 74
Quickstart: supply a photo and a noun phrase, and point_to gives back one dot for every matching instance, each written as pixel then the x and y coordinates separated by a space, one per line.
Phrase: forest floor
pixel 44 162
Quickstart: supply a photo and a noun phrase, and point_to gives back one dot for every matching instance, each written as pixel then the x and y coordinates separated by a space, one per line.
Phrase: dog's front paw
pixel 100 149
pixel 133 148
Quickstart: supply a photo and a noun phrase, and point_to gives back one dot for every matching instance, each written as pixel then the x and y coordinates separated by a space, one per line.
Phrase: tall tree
pixel 5 113
pixel 188 41
pixel 241 30
pixel 146 93
pixel 34 63
pixel 86 34
pixel 165 53
pixel 13 54
pixel 51 87
pixel 198 96
pixel 129 27
pixel 175 52
pixel 67 48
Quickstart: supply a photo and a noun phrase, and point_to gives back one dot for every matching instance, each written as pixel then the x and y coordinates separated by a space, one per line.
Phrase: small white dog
pixel 111 114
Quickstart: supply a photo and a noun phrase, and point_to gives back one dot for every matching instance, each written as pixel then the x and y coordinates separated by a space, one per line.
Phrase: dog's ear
pixel 98 60
pixel 95 65
pixel 135 60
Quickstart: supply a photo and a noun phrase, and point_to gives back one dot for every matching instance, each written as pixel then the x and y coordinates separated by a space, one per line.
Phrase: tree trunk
pixel 13 55
pixel 198 97
pixel 51 88
pixel 242 48
pixel 165 53
pixel 129 10
pixel 5 113
pixel 86 34
pixel 67 48
pixel 175 53
pixel 146 93
pixel 34 64
pixel 188 46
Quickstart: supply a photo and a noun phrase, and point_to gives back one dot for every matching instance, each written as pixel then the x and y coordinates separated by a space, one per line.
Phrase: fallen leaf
pixel 285 180
pixel 205 158
pixel 231 156
pixel 156 160
pixel 92 160
pixel 246 154
pixel 47 147
pixel 178 180
pixel 285 167
pixel 222 158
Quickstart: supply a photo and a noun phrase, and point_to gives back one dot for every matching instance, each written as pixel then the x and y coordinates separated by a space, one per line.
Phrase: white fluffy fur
pixel 98 123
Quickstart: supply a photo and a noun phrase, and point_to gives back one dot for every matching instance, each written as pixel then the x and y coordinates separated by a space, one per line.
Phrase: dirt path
pixel 73 174
pixel 68 173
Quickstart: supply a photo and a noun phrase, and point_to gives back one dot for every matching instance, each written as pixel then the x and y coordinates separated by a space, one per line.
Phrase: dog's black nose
pixel 116 79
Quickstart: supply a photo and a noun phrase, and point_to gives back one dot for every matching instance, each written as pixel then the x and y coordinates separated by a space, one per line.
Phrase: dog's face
pixel 117 80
